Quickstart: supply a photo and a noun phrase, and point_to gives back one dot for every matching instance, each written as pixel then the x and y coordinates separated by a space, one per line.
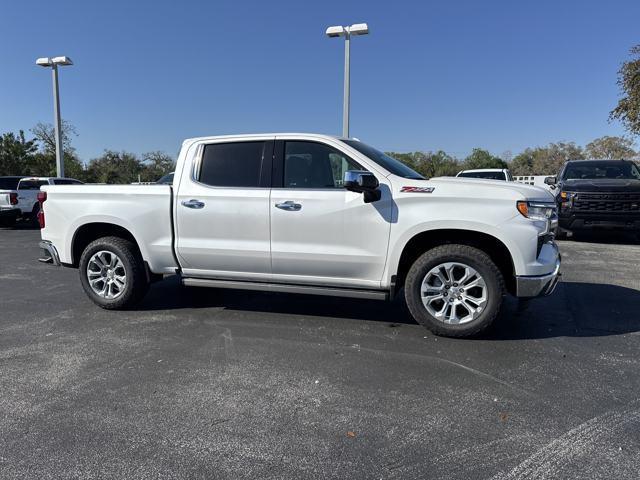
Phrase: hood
pixel 476 187
pixel 601 185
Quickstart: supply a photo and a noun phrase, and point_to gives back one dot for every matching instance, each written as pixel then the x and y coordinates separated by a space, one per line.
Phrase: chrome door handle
pixel 289 205
pixel 193 203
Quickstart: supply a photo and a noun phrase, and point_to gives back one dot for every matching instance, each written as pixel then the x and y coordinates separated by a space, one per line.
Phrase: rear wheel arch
pixel 426 240
pixel 89 232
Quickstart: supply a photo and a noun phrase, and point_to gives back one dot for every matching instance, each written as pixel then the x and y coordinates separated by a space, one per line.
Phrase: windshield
pixel 488 175
pixel 601 170
pixel 385 161
pixel 10 183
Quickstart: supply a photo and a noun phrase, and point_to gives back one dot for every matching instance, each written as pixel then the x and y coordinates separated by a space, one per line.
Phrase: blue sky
pixel 452 75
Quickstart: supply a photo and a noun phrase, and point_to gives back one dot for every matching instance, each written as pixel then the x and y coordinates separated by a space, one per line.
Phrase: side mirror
pixel 361 181
pixel 551 180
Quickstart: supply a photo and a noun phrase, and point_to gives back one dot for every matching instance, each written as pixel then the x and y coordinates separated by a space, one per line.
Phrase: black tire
pixel 136 284
pixel 562 234
pixel 467 255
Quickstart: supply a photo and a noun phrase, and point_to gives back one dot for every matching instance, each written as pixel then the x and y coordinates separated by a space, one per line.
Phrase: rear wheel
pixel 454 290
pixel 112 273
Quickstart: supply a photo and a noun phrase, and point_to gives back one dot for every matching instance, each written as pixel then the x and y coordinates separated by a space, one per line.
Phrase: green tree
pixel 610 148
pixel 16 154
pixel 429 164
pixel 114 167
pixel 480 158
pixel 628 108
pixel 545 160
pixel 156 164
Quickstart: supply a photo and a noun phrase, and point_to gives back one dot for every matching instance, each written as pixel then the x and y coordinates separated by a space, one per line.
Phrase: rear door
pixel 321 233
pixel 222 210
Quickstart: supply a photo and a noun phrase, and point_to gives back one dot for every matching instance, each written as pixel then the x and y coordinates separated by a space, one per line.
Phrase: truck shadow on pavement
pixel 573 310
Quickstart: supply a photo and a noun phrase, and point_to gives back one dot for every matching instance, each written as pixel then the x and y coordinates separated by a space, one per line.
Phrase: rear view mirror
pixel 362 181
pixel 550 180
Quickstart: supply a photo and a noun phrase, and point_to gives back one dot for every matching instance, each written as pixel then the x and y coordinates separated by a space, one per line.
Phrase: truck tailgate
pixel 5 202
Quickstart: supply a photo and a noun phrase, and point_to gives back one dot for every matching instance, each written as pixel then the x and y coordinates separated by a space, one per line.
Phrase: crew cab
pixel 18 196
pixel 312 214
pixel 598 194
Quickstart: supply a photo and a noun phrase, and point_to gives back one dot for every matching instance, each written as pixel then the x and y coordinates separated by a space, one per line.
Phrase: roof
pixel 484 170
pixel 604 160
pixel 260 135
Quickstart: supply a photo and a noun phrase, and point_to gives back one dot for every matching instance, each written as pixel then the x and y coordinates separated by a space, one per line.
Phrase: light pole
pixel 346 32
pixel 53 63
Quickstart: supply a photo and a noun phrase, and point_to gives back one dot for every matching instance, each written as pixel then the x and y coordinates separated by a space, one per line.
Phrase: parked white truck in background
pixel 18 196
pixel 487 173
pixel 311 214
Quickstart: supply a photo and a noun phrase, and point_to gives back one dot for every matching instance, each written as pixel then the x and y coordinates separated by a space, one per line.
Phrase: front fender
pixel 399 243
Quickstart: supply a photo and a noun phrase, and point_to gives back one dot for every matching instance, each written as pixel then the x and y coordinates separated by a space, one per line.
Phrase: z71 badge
pixel 417 189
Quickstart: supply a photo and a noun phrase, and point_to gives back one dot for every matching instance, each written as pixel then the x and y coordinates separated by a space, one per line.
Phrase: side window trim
pixel 278 164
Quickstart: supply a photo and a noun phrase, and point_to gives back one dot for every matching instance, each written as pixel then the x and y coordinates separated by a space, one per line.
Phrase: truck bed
pixel 143 210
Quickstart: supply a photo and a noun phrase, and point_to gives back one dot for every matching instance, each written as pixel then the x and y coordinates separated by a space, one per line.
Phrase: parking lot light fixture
pixel 53 63
pixel 346 32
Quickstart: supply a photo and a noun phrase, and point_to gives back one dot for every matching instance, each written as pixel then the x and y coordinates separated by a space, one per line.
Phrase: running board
pixel 284 288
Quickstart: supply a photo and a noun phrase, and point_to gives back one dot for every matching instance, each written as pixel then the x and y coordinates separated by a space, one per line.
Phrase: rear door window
pixel 235 164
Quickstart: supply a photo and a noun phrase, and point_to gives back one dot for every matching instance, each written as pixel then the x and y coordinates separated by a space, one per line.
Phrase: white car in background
pixel 487 174
pixel 19 196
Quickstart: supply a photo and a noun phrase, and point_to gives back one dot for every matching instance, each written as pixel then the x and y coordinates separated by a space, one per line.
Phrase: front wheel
pixel 454 290
pixel 112 273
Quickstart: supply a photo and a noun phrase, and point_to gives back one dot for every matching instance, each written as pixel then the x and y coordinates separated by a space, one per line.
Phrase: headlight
pixel 544 213
pixel 537 210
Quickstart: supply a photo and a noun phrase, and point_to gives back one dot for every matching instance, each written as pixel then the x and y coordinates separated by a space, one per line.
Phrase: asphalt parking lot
pixel 228 384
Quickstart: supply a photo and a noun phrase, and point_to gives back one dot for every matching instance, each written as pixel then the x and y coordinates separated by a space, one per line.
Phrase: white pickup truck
pixel 311 214
pixel 19 196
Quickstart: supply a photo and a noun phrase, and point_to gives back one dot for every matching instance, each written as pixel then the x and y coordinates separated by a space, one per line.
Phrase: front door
pixel 222 212
pixel 321 233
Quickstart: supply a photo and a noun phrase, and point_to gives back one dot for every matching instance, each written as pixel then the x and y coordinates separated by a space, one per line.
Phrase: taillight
pixel 42 197
pixel 13 198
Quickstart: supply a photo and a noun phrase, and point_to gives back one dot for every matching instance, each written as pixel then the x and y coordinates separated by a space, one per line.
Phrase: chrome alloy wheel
pixel 106 274
pixel 454 293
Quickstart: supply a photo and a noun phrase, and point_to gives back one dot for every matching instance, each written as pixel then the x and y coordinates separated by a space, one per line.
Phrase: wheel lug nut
pixel 459 298
pixel 455 284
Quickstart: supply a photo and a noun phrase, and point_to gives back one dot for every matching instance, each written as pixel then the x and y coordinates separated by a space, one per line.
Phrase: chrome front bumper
pixel 50 253
pixel 538 286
